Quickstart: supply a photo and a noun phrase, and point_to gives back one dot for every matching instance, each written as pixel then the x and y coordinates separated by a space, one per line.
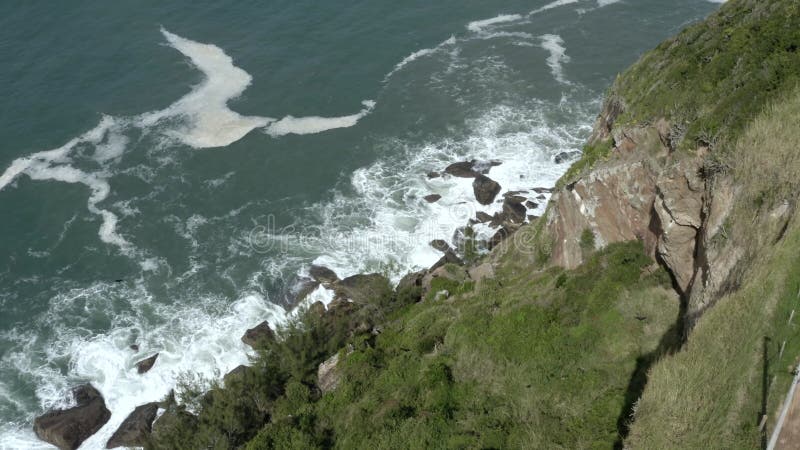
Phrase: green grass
pixel 715 76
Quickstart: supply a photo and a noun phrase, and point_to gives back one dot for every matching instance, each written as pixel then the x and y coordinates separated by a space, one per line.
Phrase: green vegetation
pixel 530 359
pixel 715 76
pixel 592 154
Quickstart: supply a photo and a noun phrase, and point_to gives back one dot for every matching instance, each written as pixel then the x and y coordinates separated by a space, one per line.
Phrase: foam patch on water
pixel 554 44
pixel 419 54
pixel 313 125
pixel 479 25
pixel 200 119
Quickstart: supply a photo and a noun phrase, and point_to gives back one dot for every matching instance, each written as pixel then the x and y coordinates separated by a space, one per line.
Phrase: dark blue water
pixel 206 153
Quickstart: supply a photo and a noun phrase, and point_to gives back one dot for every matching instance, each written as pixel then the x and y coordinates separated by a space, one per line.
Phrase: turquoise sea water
pixel 169 170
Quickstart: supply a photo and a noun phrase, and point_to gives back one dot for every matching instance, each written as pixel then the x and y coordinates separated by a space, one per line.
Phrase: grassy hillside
pixel 714 77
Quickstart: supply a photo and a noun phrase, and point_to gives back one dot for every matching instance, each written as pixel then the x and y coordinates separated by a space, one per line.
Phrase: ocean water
pixel 169 169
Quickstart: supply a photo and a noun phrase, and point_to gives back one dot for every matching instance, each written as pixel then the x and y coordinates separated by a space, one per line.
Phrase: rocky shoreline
pixel 68 428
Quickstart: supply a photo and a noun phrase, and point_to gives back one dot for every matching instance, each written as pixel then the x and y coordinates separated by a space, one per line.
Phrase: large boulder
pixel 449 257
pixel 364 288
pixel 485 189
pixel 328 377
pixel 145 365
pixel 514 211
pixel 323 274
pixel 136 428
pixel 440 245
pixel 256 336
pixel 68 428
pixel 462 169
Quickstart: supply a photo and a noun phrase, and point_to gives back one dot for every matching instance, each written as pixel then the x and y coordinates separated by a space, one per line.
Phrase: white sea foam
pixel 554 44
pixel 419 54
pixel 601 3
pixel 479 25
pixel 313 125
pixel 552 5
pixel 203 121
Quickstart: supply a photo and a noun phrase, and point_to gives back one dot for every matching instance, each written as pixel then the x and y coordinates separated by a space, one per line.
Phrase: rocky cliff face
pixel 645 189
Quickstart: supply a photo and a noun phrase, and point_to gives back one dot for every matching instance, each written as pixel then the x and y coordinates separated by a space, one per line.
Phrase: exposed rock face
pixel 256 336
pixel 323 274
pixel 440 245
pixel 645 191
pixel 514 210
pixel 327 376
pixel 68 428
pixel 485 189
pixel 235 374
pixel 145 365
pixel 135 429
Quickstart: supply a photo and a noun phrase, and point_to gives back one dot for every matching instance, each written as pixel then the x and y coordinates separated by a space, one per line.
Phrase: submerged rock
pixel 258 335
pixel 68 428
pixel 135 429
pixel 485 189
pixel 145 365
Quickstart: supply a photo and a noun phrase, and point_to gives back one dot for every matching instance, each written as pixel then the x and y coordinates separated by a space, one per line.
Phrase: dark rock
pixel 514 212
pixel 514 199
pixel 258 335
pixel 322 274
pixel 433 174
pixel 134 347
pixel 145 365
pixel 498 220
pixel 235 374
pixel 462 169
pixel 135 429
pixel 542 190
pixel 68 428
pixel 485 189
pixel 412 280
pixel 449 258
pixel 531 204
pixel 433 198
pixel 541 197
pixel 498 237
pixel 532 217
pixel 514 193
pixel 482 217
pixel 364 288
pixel 566 157
pixel 317 309
pixel 440 245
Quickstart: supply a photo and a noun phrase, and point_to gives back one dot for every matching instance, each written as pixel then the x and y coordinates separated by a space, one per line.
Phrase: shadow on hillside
pixel 670 342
